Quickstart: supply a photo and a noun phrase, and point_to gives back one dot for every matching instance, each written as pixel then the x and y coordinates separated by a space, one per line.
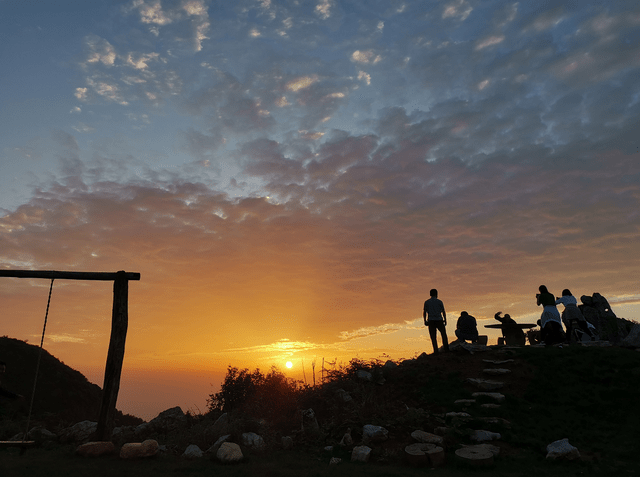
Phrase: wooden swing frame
pixel 115 356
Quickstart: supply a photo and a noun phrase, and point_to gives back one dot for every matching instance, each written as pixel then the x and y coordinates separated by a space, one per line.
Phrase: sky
pixel 291 178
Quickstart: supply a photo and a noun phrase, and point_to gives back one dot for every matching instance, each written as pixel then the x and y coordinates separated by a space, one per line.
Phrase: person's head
pixel 433 292
pixel 507 316
pixel 543 289
pixel 566 292
pixel 464 313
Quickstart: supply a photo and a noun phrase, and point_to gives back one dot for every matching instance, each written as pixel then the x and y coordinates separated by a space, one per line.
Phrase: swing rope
pixel 35 380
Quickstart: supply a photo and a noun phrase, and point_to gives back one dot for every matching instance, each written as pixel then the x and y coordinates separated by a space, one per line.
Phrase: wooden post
pixel 115 357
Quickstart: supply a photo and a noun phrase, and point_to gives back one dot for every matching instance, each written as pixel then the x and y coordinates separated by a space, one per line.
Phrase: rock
pixel 79 432
pixel 360 454
pixel 40 434
pixel 212 451
pixel 344 396
pixel 485 384
pixel 495 450
pixel 495 396
pixel 171 420
pixel 364 375
pixel 496 371
pixel 309 422
pixel 192 452
pixel 441 431
pixel 374 434
pixel 287 442
pixel 484 436
pixel 632 340
pixel 221 427
pixel 124 434
pixel 253 440
pixel 451 415
pixel 427 438
pixel 96 449
pixel 135 450
pixel 389 365
pixel 328 449
pixel 495 420
pixel 475 456
pixel 335 461
pixel 229 453
pixel 562 450
pixel 347 440
pixel 416 454
pixel 464 402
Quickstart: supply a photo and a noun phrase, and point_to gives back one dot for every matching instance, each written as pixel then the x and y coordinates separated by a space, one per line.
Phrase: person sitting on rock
pixel 467 328
pixel 572 316
pixel 550 321
pixel 511 330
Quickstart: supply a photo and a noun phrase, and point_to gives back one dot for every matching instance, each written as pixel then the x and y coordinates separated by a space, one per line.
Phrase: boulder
pixel 136 450
pixel 96 449
pixel 361 454
pixel 347 440
pixel 221 427
pixel 167 421
pixel 229 453
pixel 374 434
pixel 562 450
pixel 287 443
pixel 343 395
pixel 213 450
pixel 427 438
pixel 632 340
pixel 123 434
pixel 253 440
pixel 79 432
pixel 192 452
pixel 484 436
pixel 309 422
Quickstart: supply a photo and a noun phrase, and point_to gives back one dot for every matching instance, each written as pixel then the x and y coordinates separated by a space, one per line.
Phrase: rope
pixel 35 380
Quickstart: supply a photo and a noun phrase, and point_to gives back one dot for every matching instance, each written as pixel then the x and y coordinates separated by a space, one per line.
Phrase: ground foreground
pixel 588 395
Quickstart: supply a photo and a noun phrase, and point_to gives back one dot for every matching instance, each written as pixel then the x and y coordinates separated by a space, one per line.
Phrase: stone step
pixel 490 406
pixel 495 396
pixel 496 371
pixel 497 363
pixel 485 384
pixel 464 402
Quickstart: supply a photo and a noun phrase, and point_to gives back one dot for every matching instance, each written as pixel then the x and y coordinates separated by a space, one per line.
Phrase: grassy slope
pixel 588 395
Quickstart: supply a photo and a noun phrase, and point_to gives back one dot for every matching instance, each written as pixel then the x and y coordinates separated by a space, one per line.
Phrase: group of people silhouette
pixel 550 322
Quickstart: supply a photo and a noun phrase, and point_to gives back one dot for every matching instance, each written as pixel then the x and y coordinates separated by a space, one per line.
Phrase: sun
pixel 289 364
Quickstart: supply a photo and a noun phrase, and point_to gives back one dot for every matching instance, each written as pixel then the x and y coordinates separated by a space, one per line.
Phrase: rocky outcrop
pixel 167 421
pixel 598 312
pixel 79 432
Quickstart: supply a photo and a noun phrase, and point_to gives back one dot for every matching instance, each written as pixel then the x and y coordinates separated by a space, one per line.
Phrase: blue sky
pixel 330 160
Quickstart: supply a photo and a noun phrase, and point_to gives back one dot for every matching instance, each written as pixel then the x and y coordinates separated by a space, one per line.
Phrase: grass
pixel 589 395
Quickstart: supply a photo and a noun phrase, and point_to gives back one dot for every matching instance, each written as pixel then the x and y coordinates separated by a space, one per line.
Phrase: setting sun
pixel 289 364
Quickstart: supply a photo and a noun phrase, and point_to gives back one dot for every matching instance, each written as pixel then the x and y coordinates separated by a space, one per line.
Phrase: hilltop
pixel 63 395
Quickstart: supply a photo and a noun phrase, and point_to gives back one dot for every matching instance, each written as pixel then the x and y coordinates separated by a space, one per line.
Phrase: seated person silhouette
pixel 467 328
pixel 511 331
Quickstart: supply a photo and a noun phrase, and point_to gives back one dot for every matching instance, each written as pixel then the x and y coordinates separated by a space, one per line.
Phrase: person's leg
pixel 443 332
pixel 434 337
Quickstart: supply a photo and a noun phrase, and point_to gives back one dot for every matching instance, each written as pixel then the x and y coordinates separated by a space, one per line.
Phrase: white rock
pixel 192 452
pixel 229 452
pixel 253 440
pixel 360 454
pixel 562 449
pixel 427 437
pixel 371 433
pixel 214 448
pixel 484 436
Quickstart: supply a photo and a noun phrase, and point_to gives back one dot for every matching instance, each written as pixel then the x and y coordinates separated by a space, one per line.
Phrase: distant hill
pixel 63 395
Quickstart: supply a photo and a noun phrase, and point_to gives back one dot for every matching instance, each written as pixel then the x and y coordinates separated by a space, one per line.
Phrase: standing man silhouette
pixel 437 320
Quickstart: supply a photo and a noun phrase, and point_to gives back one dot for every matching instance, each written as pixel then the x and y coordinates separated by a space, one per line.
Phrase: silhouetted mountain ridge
pixel 63 395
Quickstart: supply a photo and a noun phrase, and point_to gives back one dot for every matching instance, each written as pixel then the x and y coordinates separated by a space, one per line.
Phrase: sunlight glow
pixel 289 364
